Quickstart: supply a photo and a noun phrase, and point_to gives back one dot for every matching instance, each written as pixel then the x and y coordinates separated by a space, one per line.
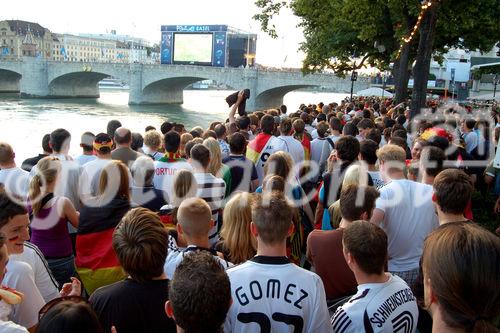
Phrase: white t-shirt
pixel 176 255
pixel 163 178
pixel 291 146
pixel 20 277
pixel 309 129
pixel 10 327
pixel 409 217
pixel 15 180
pixel 314 134
pixel 378 307
pixel 316 149
pixel 274 293
pixel 84 159
pixel 46 283
pixel 89 179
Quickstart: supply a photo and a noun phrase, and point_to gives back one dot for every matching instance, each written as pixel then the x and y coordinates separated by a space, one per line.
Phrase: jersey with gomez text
pixel 378 307
pixel 270 294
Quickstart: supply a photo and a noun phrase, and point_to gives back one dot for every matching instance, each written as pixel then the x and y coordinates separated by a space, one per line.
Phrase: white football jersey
pixel 270 294
pixel 378 307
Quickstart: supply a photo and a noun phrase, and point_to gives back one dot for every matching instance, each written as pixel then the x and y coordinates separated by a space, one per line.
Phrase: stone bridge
pixel 157 84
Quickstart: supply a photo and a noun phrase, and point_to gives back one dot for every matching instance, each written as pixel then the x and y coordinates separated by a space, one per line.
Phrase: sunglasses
pixel 55 301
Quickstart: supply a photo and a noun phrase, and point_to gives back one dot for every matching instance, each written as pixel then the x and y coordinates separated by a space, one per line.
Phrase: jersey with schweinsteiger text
pixel 378 307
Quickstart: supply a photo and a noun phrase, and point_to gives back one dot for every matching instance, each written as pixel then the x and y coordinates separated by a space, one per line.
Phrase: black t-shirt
pixel 31 162
pixel 133 307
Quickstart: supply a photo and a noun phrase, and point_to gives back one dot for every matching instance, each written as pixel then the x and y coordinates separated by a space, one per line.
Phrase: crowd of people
pixel 343 217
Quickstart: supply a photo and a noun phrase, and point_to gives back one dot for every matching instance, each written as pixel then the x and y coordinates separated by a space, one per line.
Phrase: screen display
pixel 193 48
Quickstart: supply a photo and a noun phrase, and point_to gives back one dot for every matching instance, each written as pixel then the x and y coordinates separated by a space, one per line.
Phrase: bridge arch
pixel 9 81
pixel 273 97
pixel 171 89
pixel 76 84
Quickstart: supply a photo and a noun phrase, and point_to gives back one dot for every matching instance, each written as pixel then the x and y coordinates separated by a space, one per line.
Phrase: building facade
pixel 82 49
pixel 36 39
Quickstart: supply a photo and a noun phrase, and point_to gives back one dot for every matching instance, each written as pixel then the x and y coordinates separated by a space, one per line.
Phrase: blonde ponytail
pixel 47 170
pixel 34 193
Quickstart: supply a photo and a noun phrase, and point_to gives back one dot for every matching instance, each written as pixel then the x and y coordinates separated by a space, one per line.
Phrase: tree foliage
pixel 342 35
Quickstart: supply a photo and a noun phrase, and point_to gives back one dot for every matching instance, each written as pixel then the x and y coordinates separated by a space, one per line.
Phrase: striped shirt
pixel 211 189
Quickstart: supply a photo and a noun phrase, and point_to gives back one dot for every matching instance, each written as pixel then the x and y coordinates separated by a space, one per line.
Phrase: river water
pixel 23 122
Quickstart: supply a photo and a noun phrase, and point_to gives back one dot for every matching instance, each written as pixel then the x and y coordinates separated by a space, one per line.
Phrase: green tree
pixel 343 35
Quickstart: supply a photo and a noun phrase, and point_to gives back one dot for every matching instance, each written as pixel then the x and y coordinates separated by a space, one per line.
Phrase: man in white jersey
pixel 384 302
pixel 405 212
pixel 271 294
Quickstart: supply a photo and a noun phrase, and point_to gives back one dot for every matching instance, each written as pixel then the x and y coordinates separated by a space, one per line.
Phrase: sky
pixel 144 18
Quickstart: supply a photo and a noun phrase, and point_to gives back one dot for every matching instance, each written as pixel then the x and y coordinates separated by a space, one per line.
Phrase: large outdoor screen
pixel 193 48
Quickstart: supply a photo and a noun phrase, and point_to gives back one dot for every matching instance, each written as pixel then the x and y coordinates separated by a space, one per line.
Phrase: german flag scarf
pixel 96 261
pixel 256 146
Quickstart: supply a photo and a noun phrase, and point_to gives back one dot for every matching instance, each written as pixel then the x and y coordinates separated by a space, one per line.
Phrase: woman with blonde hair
pixel 152 144
pixel 354 175
pixel 237 244
pixel 96 261
pixel 461 266
pixel 49 219
pixel 215 166
pixel 185 138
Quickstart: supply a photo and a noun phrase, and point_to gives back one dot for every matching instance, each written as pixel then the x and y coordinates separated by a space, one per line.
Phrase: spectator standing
pixel 32 161
pixel 50 216
pixel 143 192
pixel 287 143
pixel 14 179
pixel 152 145
pixel 86 143
pixel 300 305
pixel 405 212
pixel 194 224
pixel 242 171
pixel 136 304
pixel 168 165
pixel 461 264
pixel 263 145
pixel 210 188
pixel 96 262
pixel 365 250
pixel 324 247
pixel 14 223
pixel 123 141
pixel 200 294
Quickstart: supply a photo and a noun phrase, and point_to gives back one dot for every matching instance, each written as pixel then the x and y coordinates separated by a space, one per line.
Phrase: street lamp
pixel 354 77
